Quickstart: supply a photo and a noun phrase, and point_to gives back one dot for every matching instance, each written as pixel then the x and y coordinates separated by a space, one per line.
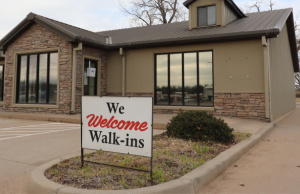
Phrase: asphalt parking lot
pixel 25 144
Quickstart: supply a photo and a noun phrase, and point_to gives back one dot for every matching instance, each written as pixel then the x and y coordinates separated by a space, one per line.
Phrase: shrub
pixel 199 126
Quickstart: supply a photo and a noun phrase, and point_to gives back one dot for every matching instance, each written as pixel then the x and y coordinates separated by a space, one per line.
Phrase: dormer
pixel 206 13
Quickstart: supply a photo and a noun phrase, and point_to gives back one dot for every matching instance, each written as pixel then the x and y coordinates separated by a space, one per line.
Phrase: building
pixel 221 61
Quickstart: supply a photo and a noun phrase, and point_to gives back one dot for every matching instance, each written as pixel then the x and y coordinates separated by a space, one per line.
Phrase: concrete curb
pixel 189 183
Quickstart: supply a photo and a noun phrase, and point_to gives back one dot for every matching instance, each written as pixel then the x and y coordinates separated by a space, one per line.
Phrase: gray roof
pixel 255 25
pixel 70 33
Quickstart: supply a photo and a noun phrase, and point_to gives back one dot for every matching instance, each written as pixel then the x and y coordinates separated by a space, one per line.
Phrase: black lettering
pixel 113 107
pixel 133 141
pixel 116 139
pixel 95 135
pixel 120 110
pixel 104 138
pixel 141 141
pixel 127 140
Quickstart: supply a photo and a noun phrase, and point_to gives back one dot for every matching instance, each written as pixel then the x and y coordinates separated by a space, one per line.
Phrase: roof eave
pixel 199 39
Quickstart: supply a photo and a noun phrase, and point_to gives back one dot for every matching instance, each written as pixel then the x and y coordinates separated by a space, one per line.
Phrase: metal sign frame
pixel 128 168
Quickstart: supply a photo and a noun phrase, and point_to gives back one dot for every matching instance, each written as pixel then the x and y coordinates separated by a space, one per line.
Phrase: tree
pixel 150 12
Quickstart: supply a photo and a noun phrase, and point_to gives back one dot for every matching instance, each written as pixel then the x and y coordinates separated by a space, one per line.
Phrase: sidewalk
pixel 272 166
pixel 159 120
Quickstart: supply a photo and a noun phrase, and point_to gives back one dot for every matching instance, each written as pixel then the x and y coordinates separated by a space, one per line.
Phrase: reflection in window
pixel 1 82
pixel 190 79
pixel 205 79
pixel 162 85
pixel 37 78
pixel 207 16
pixel 184 79
pixel 176 79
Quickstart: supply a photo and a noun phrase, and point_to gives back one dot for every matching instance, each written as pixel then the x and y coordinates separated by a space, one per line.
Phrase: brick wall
pixel 249 105
pixel 35 38
pixel 93 53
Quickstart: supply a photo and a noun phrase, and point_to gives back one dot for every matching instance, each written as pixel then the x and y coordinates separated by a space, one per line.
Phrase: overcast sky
pixel 94 15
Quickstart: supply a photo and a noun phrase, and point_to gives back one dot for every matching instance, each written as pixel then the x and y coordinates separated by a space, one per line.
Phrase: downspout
pixel 267 77
pixel 79 48
pixel 123 71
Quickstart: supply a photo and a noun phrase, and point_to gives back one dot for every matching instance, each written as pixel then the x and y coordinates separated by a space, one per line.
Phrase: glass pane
pixel 90 81
pixel 32 79
pixel 1 82
pixel 22 80
pixel 53 76
pixel 202 16
pixel 43 79
pixel 211 15
pixel 176 79
pixel 206 79
pixel 190 79
pixel 162 79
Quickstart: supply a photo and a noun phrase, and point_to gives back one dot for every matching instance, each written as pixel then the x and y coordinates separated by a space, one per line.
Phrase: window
pixel 1 82
pixel 37 78
pixel 207 16
pixel 184 79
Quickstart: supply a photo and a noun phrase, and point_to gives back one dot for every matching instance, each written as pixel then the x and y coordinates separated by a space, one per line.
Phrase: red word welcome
pixel 112 123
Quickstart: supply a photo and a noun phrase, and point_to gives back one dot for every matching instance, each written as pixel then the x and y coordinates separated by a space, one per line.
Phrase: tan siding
pixel 242 61
pixel 114 72
pixel 281 75
pixel 229 16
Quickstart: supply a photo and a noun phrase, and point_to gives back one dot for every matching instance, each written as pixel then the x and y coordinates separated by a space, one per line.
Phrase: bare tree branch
pixel 149 12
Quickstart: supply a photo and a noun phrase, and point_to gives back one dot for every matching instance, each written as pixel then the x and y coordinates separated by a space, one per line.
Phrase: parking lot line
pixel 30 130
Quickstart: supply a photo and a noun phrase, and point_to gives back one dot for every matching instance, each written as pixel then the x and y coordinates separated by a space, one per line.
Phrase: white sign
pixel 91 72
pixel 117 124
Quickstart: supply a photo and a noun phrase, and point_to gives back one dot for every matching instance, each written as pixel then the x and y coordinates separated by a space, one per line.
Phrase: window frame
pixel 37 77
pixel 182 77
pixel 2 84
pixel 207 14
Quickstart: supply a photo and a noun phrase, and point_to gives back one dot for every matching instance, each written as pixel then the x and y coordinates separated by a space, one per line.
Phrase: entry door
pixel 90 77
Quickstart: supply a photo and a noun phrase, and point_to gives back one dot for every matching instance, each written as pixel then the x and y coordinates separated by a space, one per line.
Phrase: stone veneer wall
pixel 38 37
pixel 242 105
pixel 93 53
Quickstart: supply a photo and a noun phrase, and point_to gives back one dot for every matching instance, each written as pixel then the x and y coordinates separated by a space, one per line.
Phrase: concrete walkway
pixel 272 166
pixel 159 120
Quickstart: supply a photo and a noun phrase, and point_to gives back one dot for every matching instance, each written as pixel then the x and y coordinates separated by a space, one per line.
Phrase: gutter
pixel 73 98
pixel 123 71
pixel 266 55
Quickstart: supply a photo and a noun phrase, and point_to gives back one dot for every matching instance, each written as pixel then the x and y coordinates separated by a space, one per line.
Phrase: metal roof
pixel 70 33
pixel 255 25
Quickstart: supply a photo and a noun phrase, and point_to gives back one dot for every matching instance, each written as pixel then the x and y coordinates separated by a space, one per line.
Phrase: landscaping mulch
pixel 172 158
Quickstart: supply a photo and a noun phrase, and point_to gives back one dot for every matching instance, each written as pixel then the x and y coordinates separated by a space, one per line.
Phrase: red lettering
pixel 108 124
pixel 99 121
pixel 103 123
pixel 121 122
pixel 114 122
pixel 143 126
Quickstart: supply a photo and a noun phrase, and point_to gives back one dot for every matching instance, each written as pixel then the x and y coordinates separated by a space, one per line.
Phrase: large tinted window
pixel 1 82
pixel 207 16
pixel 184 79
pixel 37 78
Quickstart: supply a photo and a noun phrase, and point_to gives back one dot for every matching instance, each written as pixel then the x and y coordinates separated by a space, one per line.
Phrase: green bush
pixel 199 126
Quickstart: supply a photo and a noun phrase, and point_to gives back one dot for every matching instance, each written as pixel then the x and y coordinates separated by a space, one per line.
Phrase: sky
pixel 94 15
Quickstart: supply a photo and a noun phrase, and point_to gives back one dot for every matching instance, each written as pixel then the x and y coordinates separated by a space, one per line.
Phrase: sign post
pixel 117 124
